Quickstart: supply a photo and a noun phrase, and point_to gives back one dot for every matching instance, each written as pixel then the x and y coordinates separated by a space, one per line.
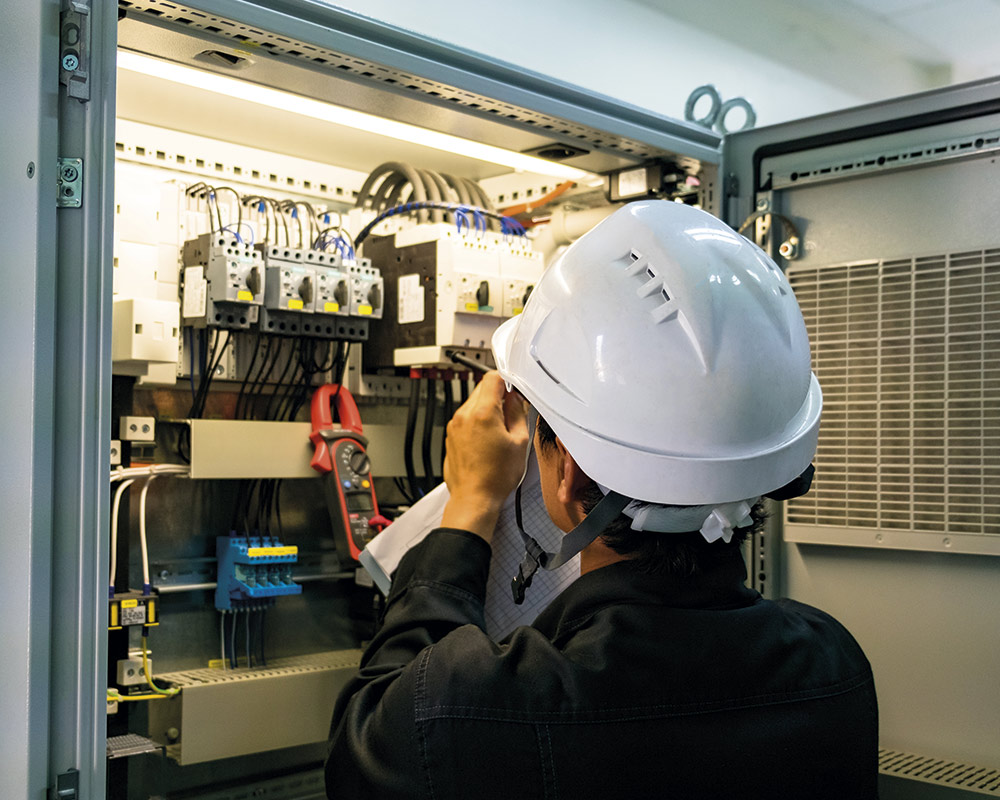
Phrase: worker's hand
pixel 487 439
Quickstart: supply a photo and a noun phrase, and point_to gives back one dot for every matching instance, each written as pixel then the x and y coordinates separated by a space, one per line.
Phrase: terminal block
pixel 252 570
pixel 223 282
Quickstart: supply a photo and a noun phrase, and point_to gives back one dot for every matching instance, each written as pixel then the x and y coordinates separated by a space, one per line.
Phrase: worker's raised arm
pixel 487 439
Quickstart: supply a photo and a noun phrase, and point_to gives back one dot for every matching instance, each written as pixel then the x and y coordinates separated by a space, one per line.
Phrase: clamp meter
pixel 343 463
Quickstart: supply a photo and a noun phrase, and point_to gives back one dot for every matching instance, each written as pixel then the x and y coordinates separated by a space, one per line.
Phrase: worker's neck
pixel 596 555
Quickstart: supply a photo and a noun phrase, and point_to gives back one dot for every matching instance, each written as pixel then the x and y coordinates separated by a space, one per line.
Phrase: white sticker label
pixel 632 182
pixel 195 292
pixel 411 299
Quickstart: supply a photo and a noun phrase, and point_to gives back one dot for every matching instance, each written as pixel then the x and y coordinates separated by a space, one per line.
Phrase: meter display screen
pixel 361 501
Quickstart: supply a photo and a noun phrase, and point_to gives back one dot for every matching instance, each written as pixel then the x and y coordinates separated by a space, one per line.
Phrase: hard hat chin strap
pixel 602 515
pixel 535 556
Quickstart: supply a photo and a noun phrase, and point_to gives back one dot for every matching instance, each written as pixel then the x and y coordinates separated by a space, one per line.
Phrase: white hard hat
pixel 669 355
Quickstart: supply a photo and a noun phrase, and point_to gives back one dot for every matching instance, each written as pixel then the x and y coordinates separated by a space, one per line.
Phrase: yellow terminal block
pixel 286 550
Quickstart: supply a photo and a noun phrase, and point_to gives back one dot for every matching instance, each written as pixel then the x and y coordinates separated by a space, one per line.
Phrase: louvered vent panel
pixel 940 771
pixel 908 355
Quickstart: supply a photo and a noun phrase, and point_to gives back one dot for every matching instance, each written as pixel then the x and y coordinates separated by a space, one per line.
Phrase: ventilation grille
pixel 244 37
pixel 908 355
pixel 939 771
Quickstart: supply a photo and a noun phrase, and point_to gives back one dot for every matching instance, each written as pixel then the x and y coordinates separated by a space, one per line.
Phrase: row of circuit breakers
pixel 234 285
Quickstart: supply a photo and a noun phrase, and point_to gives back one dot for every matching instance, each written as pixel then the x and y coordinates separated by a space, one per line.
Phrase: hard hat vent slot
pixel 665 295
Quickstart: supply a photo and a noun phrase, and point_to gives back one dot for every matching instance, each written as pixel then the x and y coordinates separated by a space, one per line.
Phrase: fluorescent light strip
pixel 296 104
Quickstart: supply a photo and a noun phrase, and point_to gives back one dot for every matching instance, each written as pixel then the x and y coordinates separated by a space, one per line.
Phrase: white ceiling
pixel 876 48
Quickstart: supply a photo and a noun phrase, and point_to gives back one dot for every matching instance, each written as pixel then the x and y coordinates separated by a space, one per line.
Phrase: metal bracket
pixel 70 186
pixel 74 49
pixel 67 786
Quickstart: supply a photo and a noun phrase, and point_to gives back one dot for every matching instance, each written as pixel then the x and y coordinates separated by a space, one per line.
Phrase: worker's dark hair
pixel 678 554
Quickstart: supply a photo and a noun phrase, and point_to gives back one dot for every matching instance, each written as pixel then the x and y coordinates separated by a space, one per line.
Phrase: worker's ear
pixel 572 480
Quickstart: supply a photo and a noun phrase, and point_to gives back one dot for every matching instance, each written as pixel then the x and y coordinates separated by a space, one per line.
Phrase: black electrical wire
pixel 213 367
pixel 403 490
pixel 410 435
pixel 263 379
pixel 277 509
pixel 246 410
pixel 463 388
pixel 281 387
pixel 247 623
pixel 430 408
pixel 449 410
pixel 233 661
pixel 263 621
pixel 246 377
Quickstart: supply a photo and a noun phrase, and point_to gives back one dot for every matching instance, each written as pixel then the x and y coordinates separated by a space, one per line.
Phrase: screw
pixel 133 427
pixel 31 169
pixel 763 204
pixel 70 173
pixel 220 370
pixel 70 62
pixel 145 429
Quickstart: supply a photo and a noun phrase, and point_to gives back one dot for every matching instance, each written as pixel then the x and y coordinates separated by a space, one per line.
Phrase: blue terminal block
pixel 253 570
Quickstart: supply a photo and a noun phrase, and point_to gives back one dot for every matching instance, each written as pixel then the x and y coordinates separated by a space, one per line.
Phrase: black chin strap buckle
pixel 521 581
pixel 534 557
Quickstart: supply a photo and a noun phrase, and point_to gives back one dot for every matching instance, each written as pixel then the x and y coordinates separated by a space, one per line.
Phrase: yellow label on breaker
pixel 245 294
pixel 365 310
pixel 331 308
pixel 288 550
pixel 130 603
pixel 295 305
pixel 518 311
pixel 472 306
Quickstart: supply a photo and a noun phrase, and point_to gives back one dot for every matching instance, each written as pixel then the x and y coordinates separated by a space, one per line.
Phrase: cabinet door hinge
pixel 67 786
pixel 74 48
pixel 70 186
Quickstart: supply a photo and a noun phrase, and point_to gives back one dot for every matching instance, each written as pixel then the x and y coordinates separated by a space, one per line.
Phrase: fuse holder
pixel 126 609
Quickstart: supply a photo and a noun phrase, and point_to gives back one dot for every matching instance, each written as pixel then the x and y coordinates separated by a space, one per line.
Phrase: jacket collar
pixel 720 588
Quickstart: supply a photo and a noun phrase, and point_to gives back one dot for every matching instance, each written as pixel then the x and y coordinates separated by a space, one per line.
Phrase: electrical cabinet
pixel 219 286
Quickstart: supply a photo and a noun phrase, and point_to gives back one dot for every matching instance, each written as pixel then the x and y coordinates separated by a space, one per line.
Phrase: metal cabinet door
pixel 898 275
pixel 55 329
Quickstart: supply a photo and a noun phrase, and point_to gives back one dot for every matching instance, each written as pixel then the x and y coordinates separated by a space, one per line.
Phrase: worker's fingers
pixel 515 413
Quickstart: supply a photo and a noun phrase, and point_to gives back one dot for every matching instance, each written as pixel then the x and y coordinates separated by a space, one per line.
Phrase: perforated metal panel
pixel 908 355
pixel 940 771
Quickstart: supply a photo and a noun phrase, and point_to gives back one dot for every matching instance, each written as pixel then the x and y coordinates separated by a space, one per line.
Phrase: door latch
pixel 67 786
pixel 70 191
pixel 74 49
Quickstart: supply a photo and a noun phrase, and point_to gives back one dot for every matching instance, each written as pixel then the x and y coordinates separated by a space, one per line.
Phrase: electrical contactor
pixel 446 289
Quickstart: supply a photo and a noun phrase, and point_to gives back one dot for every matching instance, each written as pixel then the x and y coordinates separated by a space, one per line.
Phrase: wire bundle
pixel 425 391
pixel 508 225
pixel 254 626
pixel 395 183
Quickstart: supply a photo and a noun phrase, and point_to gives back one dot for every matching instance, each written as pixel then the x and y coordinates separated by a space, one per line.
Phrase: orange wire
pixel 513 211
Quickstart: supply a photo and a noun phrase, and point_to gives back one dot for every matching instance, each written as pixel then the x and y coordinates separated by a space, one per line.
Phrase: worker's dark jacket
pixel 627 686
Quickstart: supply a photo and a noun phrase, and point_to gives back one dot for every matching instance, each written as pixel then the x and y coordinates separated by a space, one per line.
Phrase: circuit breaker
pixel 223 282
pixel 310 292
pixel 446 289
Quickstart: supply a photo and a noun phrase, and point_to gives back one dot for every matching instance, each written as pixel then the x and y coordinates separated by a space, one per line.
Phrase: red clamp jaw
pixel 323 430
pixel 343 463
